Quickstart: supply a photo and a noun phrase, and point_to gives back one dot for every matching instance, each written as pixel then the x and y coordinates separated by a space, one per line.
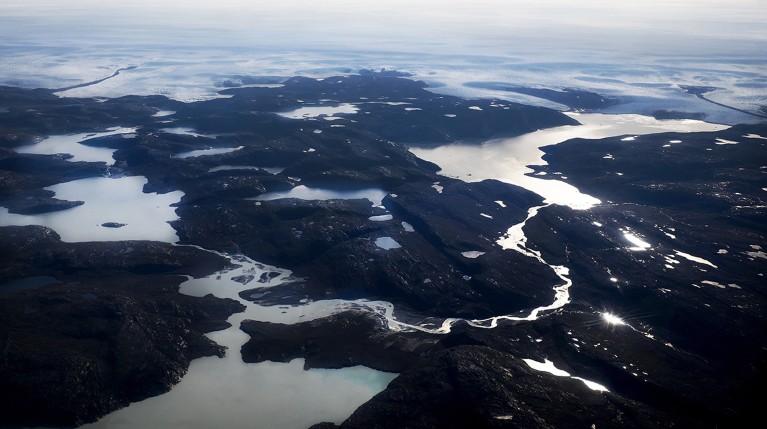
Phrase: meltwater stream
pixel 508 160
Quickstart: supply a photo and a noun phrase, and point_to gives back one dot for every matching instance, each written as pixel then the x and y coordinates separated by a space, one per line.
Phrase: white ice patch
pixel 760 254
pixel 387 243
pixel 725 142
pixel 695 259
pixel 475 108
pixel 450 115
pixel 207 152
pixel 754 136
pixel 407 227
pixel 501 203
pixel 381 218
pixel 164 113
pixel 301 192
pixel 437 187
pixel 307 112
pixel 713 283
pixel 473 254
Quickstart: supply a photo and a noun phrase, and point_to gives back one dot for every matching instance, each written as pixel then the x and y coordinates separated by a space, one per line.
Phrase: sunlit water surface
pixel 507 159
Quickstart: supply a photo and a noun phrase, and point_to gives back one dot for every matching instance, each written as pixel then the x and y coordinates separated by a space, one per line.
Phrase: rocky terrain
pixel 670 335
pixel 108 328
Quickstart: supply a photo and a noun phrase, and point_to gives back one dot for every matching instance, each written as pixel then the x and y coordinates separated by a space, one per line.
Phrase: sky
pixel 494 27
pixel 184 49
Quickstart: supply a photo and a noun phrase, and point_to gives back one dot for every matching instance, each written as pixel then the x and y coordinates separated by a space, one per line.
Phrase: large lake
pixel 507 159
pixel 120 201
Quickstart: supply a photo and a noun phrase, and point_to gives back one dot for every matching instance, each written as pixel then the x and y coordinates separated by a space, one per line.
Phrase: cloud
pixel 481 26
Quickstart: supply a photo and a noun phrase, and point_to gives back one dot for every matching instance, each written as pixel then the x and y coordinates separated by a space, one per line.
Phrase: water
pixel 70 143
pixel 548 366
pixel 226 392
pixel 270 170
pixel 119 200
pixel 207 152
pixel 374 195
pixel 186 131
pixel 507 159
pixel 387 243
pixel 26 284
pixel 307 112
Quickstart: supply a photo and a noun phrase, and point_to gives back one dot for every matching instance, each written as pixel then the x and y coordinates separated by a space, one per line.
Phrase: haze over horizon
pixel 488 27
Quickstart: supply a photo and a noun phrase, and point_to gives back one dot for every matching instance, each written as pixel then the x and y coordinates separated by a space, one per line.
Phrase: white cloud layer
pixel 643 50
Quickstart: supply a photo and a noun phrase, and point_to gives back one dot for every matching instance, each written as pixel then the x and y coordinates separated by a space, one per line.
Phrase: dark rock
pixel 575 99
pixel 342 340
pixel 102 336
pixel 478 387
pixel 113 225
pixel 115 329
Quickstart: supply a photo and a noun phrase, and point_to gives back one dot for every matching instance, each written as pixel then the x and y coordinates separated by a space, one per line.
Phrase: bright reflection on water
pixel 612 319
pixel 119 200
pixel 639 244
pixel 548 366
pixel 506 159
